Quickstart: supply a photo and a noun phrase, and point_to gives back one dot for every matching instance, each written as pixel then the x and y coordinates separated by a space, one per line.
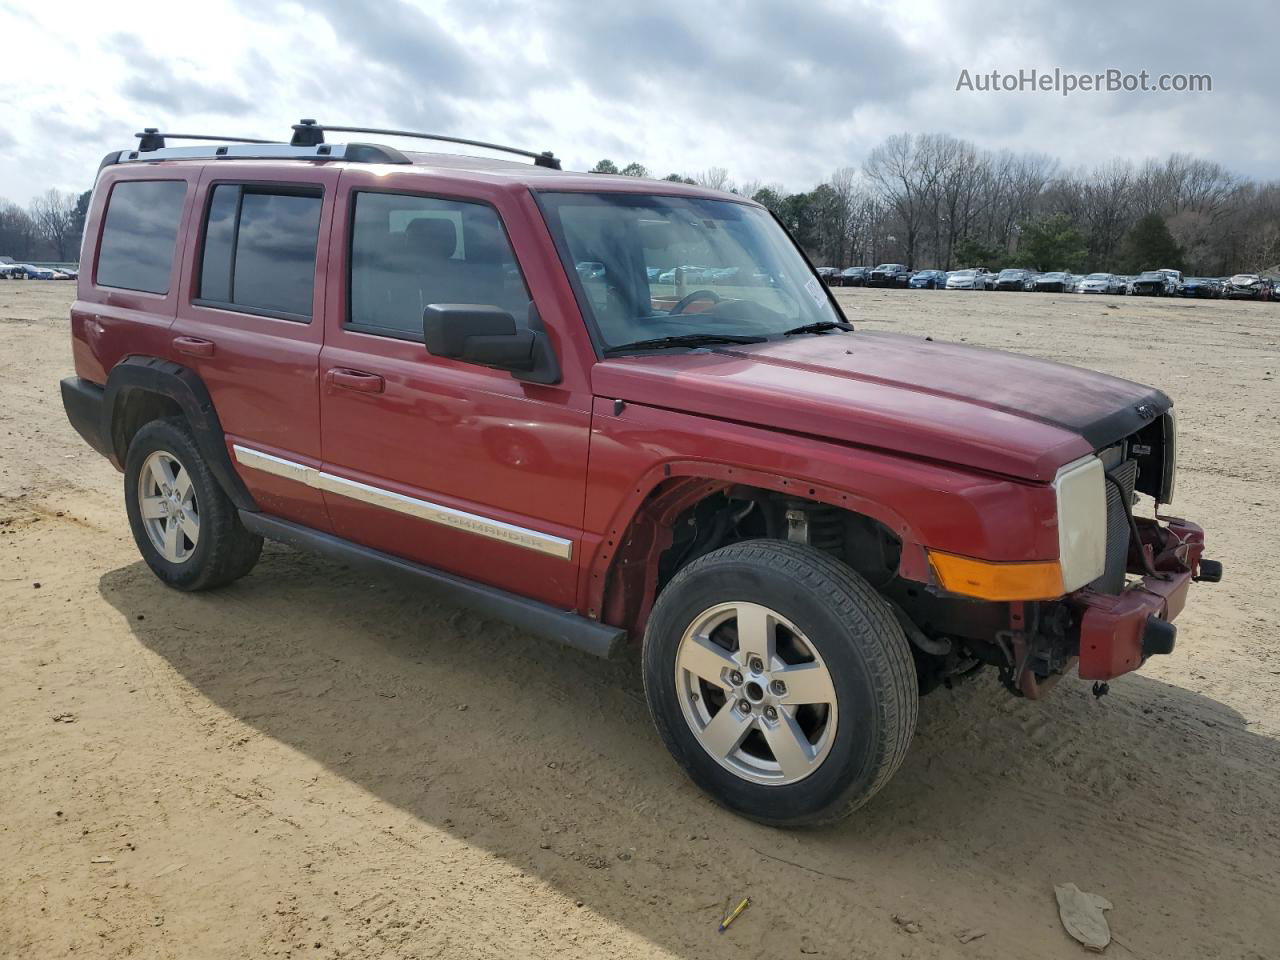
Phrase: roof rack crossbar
pixel 310 133
pixel 152 139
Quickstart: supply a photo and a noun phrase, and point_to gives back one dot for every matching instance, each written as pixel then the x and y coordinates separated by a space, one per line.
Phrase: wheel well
pixel 140 389
pixel 686 518
pixel 134 409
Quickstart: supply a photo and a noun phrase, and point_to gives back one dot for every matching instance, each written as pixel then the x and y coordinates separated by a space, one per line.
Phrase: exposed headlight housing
pixel 1169 423
pixel 1080 488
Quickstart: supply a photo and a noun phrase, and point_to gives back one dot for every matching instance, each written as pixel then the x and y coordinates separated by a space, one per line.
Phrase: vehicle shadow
pixel 1155 796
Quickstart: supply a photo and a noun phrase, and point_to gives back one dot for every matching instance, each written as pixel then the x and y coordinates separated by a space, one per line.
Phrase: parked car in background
pixel 691 274
pixel 972 278
pixel 828 275
pixel 1200 287
pixel 1100 283
pixel 9 271
pixel 1055 282
pixel 1013 278
pixel 854 276
pixel 38 273
pixel 928 280
pixel 1153 283
pixel 1249 286
pixel 1175 276
pixel 890 275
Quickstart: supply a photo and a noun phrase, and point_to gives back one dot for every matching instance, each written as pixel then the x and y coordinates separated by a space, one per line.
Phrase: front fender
pixel 924 503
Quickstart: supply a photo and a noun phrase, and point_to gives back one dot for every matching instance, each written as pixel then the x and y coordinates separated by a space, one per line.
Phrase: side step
pixel 539 619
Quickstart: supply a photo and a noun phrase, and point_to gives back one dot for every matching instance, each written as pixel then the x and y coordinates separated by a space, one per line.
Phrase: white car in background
pixel 974 278
pixel 1100 283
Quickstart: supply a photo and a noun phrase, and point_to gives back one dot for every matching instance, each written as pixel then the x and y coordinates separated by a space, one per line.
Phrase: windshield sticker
pixel 814 286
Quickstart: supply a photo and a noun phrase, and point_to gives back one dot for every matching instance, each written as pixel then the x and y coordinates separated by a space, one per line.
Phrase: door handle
pixel 193 346
pixel 356 380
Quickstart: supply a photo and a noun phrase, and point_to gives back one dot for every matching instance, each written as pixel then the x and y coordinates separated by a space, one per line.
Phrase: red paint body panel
pixel 924 504
pixel 262 363
pixel 109 324
pixel 457 434
pixel 947 402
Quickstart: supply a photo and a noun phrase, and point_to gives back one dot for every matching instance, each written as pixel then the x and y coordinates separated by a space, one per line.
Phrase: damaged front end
pixel 1106 627
pixel 1113 625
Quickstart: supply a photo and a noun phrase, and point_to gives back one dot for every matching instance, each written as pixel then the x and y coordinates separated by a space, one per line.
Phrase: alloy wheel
pixel 756 693
pixel 167 502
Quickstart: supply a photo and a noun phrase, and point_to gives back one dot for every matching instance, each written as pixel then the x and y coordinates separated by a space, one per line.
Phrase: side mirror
pixel 488 336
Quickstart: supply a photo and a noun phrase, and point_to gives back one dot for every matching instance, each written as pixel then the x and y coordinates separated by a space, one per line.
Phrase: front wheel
pixel 780 681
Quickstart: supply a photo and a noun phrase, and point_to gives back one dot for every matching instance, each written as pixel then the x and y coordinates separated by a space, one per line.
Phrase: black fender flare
pixel 185 388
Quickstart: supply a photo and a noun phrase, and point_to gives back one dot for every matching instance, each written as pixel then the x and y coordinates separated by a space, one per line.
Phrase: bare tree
pixel 18 235
pixel 894 168
pixel 53 213
pixel 714 178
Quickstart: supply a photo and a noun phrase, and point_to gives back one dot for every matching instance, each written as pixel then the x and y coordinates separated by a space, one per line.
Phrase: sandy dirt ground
pixel 309 764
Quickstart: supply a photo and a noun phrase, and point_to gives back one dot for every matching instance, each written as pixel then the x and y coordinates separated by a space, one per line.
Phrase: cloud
pixel 153 81
pixel 778 92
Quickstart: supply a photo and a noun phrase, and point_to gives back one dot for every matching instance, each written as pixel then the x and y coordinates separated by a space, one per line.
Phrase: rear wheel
pixel 186 529
pixel 780 681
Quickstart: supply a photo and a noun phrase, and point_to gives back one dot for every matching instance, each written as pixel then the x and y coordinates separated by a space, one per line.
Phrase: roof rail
pixel 309 133
pixel 152 139
pixel 265 150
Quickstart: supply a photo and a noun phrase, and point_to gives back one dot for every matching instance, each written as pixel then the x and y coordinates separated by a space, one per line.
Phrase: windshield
pixel 1010 274
pixel 681 266
pixel 1098 276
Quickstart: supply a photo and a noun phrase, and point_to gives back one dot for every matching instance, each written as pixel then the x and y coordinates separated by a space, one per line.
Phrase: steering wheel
pixel 696 295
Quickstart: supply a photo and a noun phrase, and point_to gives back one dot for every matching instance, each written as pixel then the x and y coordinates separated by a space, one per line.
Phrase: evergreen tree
pixel 1052 243
pixel 1150 246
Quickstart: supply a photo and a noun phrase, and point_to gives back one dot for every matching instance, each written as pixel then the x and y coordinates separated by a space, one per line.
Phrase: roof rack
pixel 152 139
pixel 309 133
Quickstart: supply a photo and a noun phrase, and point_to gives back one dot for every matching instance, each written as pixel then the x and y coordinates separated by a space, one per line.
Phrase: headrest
pixel 432 237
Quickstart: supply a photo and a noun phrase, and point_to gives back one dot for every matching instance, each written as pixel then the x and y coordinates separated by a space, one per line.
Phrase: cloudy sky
pixel 774 92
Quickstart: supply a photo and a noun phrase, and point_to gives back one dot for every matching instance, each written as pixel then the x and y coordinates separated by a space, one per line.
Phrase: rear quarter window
pixel 139 235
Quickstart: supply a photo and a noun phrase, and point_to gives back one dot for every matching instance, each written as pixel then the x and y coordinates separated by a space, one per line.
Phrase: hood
pixel 984 409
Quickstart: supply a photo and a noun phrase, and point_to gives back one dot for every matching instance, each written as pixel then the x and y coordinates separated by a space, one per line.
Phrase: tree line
pixel 49 228
pixel 934 200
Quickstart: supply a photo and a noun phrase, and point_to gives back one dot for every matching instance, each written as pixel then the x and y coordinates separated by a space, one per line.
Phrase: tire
pixel 819 604
pixel 223 550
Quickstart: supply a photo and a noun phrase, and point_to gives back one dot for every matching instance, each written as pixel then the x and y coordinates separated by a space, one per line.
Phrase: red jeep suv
pixel 616 411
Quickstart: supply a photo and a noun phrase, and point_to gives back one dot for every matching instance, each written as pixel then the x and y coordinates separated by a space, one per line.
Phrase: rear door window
pixel 139 235
pixel 260 250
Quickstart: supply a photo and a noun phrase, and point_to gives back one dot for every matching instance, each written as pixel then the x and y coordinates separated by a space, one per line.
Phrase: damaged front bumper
pixel 1118 632
pixel 1109 634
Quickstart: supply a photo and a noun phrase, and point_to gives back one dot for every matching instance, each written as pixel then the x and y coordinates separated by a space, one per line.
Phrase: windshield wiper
pixel 686 340
pixel 821 326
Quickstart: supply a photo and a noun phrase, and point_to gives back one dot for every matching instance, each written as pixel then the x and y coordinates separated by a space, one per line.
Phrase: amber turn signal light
pixel 1041 580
